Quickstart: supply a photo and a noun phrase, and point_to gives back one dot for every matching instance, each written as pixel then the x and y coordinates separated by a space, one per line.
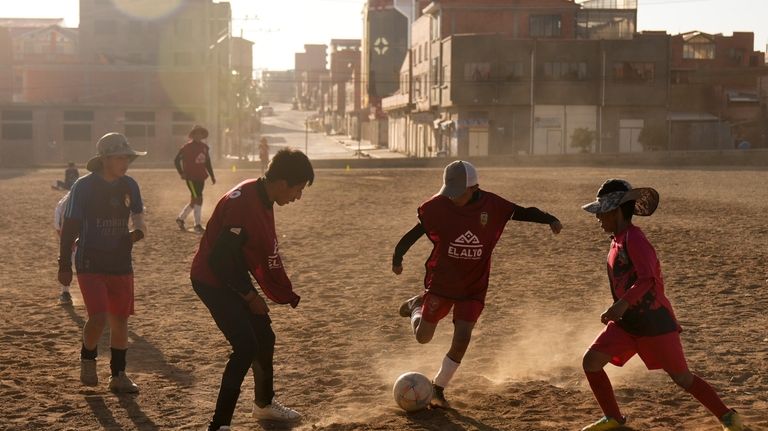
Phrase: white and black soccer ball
pixel 412 391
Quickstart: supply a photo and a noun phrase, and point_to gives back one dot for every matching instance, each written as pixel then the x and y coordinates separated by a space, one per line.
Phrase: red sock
pixel 707 396
pixel 601 387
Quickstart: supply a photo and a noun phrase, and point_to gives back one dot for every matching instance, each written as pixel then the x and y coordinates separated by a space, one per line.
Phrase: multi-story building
pixel 501 77
pixel 310 67
pixel 151 77
pixel 714 93
pixel 278 85
pixel 345 61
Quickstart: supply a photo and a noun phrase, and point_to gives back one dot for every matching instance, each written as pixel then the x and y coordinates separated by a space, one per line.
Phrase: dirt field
pixel 340 350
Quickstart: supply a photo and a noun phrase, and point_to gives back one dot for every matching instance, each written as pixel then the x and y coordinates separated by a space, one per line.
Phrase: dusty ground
pixel 339 352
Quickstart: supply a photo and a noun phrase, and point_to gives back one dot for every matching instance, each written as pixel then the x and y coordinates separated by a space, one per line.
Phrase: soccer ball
pixel 412 391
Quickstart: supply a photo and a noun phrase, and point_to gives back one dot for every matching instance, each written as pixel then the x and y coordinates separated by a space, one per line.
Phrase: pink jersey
pixel 634 272
pixel 463 237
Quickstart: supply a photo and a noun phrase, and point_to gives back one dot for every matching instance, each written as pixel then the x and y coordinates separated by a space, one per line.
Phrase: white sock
pixel 415 319
pixel 185 212
pixel 198 214
pixel 447 370
pixel 64 289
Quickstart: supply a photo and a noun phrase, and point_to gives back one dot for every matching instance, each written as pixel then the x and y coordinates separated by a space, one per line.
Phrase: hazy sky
pixel 281 28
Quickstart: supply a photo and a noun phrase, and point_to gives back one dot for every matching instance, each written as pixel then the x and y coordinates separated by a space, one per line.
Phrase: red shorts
pixel 658 352
pixel 436 307
pixel 105 293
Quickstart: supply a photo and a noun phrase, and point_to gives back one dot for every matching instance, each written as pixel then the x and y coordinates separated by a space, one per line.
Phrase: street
pixel 286 129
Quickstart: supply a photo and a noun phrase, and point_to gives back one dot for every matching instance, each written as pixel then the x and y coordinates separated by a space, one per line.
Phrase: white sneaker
pixel 276 412
pixel 122 384
pixel 88 374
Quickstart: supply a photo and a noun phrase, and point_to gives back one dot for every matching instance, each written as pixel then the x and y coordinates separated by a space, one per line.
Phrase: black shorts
pixel 196 188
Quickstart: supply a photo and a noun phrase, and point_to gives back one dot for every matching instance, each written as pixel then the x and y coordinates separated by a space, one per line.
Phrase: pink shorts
pixel 105 293
pixel 436 307
pixel 658 352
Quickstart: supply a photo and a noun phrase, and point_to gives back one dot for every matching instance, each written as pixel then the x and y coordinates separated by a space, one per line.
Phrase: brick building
pixel 151 77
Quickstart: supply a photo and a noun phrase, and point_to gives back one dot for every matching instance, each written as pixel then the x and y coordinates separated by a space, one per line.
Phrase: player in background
pixel 241 239
pixel 464 224
pixel 65 297
pixel 97 215
pixel 193 162
pixel 641 320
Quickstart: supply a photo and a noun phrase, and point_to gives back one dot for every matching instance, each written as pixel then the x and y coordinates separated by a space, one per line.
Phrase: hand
pixel 556 227
pixel 136 235
pixel 614 312
pixel 65 278
pixel 397 269
pixel 257 305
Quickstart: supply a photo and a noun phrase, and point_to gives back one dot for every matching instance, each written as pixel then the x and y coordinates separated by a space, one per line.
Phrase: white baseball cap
pixel 457 177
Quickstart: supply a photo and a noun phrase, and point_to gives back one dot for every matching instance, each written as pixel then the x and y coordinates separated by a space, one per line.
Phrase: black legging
pixel 253 346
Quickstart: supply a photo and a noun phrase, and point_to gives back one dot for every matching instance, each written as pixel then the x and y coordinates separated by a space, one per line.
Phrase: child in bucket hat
pixel 97 214
pixel 641 320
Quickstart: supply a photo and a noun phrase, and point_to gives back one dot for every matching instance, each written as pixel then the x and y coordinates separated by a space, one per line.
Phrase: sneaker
pixel 88 374
pixel 732 421
pixel 180 223
pixel 406 309
pixel 199 229
pixel 122 384
pixel 438 397
pixel 605 423
pixel 276 412
pixel 65 298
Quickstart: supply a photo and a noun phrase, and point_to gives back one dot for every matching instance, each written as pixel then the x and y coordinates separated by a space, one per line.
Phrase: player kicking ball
pixel 464 224
pixel 641 320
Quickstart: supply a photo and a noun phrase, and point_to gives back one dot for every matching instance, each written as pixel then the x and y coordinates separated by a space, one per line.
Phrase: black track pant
pixel 253 346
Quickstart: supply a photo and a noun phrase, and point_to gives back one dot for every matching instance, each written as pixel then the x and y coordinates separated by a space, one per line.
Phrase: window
pixel 77 132
pixel 17 125
pixel 634 71
pixel 699 51
pixel 140 124
pixel 513 71
pixel 77 126
pixel 576 71
pixel 435 71
pixel 417 88
pixel 182 123
pixel 83 116
pixel 140 116
pixel 477 72
pixel 545 25
pixel 680 77
pixel 139 131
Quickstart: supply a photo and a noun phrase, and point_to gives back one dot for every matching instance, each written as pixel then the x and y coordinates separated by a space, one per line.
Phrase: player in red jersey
pixel 193 162
pixel 641 320
pixel 464 223
pixel 241 238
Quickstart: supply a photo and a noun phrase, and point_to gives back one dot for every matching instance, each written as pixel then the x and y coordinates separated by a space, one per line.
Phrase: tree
pixel 653 137
pixel 583 138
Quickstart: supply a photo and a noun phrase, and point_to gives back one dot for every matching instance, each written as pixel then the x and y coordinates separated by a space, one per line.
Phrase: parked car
pixel 265 111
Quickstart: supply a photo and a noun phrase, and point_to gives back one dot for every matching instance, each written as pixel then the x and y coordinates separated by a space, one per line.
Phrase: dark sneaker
pixel 65 298
pixel 88 374
pixel 438 397
pixel 406 309
pixel 122 384
pixel 199 229
pixel 732 421
pixel 180 223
